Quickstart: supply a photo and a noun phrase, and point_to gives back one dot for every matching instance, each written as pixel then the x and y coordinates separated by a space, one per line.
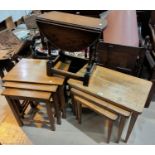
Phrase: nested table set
pixel 121 94
pixel 28 81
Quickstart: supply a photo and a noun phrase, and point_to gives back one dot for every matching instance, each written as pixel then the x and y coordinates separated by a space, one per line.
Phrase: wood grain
pixel 66 18
pixel 27 94
pixel 97 109
pixel 32 71
pixel 117 88
pixel 100 102
pixel 29 86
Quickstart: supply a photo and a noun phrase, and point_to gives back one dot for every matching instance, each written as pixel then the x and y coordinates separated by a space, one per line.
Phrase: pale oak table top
pixel 32 71
pixel 117 88
pixel 31 86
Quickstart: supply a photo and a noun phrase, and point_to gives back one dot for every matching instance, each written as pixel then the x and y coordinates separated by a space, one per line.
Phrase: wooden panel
pixel 32 71
pixel 125 59
pixel 27 93
pixel 100 102
pixel 117 88
pixel 97 109
pixel 29 86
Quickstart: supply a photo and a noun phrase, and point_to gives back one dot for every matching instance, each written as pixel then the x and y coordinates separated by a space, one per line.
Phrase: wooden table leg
pixel 76 109
pixel 14 110
pixel 50 115
pixel 120 128
pixel 62 101
pixel 110 125
pixel 79 112
pixel 147 104
pixel 73 104
pixel 131 125
pixel 57 109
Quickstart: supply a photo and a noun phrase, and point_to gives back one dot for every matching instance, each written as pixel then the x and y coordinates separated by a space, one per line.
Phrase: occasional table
pixel 33 71
pixel 72 33
pixel 125 91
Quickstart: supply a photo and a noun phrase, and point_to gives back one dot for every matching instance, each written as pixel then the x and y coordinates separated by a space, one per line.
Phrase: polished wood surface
pixel 111 116
pixel 13 96
pixel 70 32
pixel 27 94
pixel 117 88
pixel 100 102
pixel 29 86
pixel 32 71
pixel 71 19
pixel 96 108
pixel 62 66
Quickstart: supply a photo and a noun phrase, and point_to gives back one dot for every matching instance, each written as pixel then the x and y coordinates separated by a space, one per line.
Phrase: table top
pixel 27 93
pixel 31 86
pixel 117 88
pixel 32 71
pixel 74 20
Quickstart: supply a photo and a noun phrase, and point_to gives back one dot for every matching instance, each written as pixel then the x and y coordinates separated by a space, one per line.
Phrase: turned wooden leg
pixel 62 101
pixel 131 125
pixel 56 107
pixel 50 115
pixel 110 125
pixel 120 128
pixel 14 110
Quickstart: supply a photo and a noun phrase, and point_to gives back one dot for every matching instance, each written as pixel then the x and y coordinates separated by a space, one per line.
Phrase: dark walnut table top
pixel 73 20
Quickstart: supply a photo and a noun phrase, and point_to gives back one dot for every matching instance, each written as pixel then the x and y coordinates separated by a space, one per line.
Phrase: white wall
pixel 16 14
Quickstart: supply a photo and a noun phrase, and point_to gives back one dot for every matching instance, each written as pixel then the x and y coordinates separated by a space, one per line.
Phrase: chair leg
pixel 120 128
pixel 110 125
pixel 50 115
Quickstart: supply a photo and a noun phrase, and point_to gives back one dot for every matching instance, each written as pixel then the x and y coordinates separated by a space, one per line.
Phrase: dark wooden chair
pixel 7 24
pixel 122 58
pixel 152 27
pixel 10 46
